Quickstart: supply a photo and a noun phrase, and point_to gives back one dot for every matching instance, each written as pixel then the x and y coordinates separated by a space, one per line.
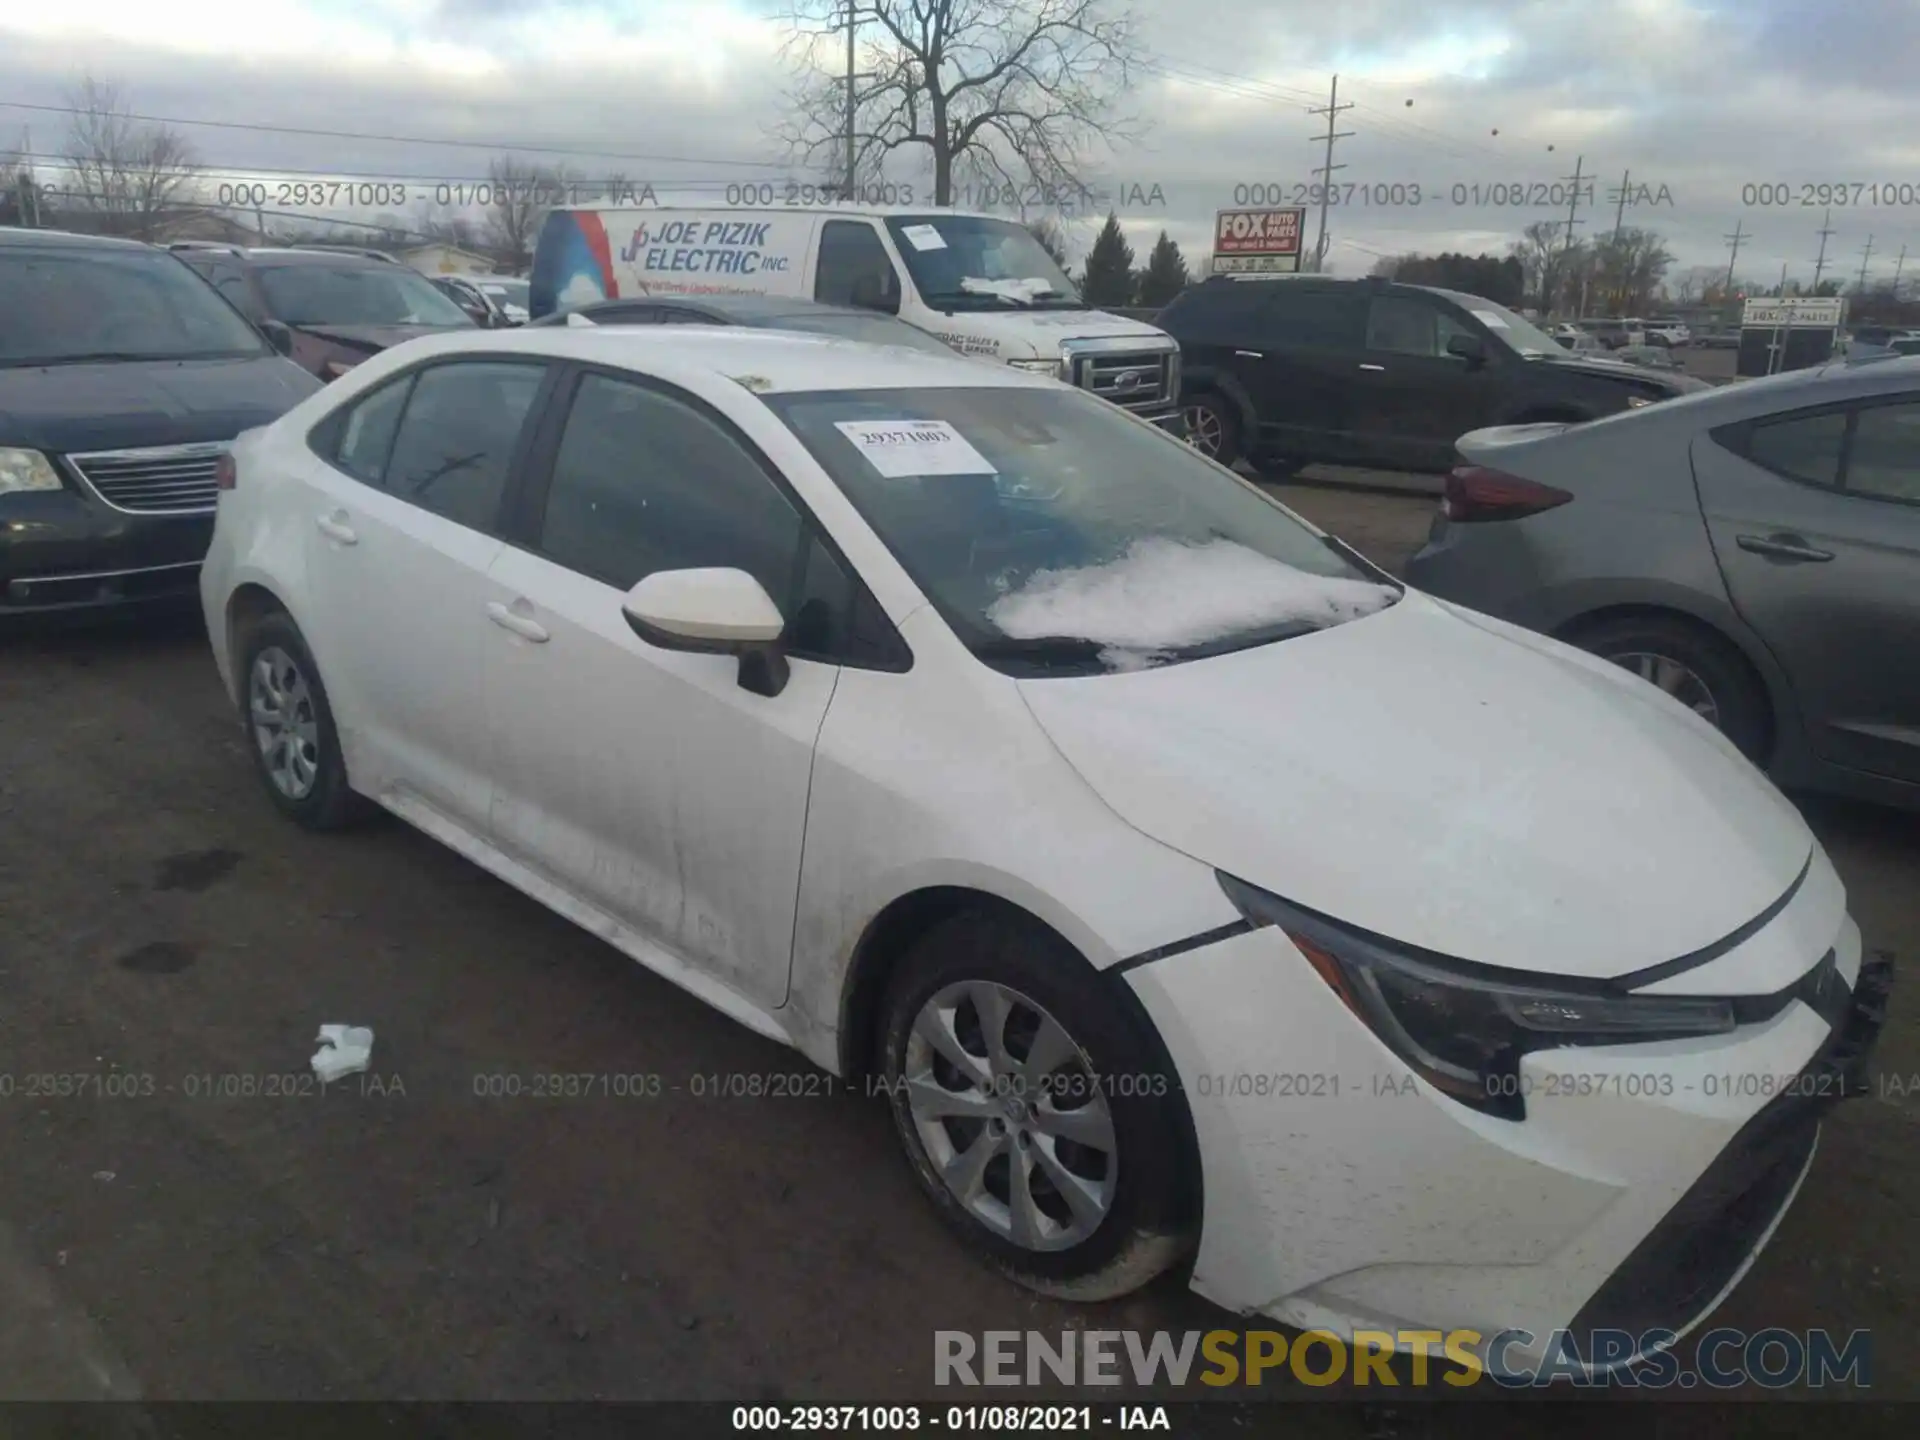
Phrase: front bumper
pixel 1342 1193
pixel 65 553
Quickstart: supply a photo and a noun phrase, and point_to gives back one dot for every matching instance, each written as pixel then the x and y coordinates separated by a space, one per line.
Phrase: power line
pixel 1332 111
pixel 259 128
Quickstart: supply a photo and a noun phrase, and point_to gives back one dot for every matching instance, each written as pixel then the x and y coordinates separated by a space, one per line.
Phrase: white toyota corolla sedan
pixel 1194 892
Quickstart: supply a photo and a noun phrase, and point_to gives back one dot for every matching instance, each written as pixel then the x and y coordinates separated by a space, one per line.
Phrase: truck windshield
pixel 971 262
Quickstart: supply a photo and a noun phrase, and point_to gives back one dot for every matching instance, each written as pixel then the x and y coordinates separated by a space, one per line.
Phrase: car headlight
pixel 26 470
pixel 1038 367
pixel 1464 1028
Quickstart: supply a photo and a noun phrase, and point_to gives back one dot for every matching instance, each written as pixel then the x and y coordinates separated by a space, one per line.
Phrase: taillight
pixel 1475 492
pixel 224 474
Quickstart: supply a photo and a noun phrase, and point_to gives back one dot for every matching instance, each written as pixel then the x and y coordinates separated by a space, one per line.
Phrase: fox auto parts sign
pixel 1257 242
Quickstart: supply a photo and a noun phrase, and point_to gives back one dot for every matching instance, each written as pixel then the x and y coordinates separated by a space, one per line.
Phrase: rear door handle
pixel 1781 547
pixel 1251 354
pixel 1380 368
pixel 525 626
pixel 335 527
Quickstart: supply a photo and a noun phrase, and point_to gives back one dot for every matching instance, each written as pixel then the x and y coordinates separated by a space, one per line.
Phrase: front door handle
pixel 335 527
pixel 1251 354
pixel 1781 547
pixel 1364 365
pixel 525 626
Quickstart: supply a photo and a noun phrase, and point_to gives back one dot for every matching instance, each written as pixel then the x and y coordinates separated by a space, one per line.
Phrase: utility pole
pixel 1865 256
pixel 1620 210
pixel 1734 258
pixel 1820 265
pixel 1325 172
pixel 850 38
pixel 1898 266
pixel 1566 251
pixel 1782 291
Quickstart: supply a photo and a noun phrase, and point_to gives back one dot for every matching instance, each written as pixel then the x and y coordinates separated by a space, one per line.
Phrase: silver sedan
pixel 1753 550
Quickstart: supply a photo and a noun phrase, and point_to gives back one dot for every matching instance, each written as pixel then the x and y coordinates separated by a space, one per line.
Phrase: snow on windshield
pixel 1023 291
pixel 1163 594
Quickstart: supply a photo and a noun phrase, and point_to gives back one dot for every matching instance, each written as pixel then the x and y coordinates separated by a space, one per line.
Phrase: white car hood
pixel 1489 796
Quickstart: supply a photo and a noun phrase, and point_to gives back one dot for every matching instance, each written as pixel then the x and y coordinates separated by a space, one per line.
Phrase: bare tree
pixel 126 173
pixel 1628 268
pixel 1052 237
pixel 1550 266
pixel 995 92
pixel 520 197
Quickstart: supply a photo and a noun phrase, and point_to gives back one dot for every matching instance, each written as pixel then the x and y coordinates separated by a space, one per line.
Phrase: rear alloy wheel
pixel 1033 1110
pixel 283 704
pixel 1694 666
pixel 1212 428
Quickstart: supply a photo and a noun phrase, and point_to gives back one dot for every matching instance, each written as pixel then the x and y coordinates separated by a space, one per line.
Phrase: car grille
pixel 1136 381
pixel 163 480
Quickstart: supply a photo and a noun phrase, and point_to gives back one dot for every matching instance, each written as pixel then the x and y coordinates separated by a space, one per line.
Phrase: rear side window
pixel 458 433
pixel 1884 459
pixel 364 436
pixel 1805 448
pixel 1320 319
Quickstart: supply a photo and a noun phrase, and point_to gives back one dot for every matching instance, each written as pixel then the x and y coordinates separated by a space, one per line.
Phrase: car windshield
pixel 873 329
pixel 64 305
pixel 968 262
pixel 1058 535
pixel 1522 334
pixel 371 294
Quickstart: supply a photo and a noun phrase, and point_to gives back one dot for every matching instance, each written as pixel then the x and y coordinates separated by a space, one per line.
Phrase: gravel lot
pixel 161 927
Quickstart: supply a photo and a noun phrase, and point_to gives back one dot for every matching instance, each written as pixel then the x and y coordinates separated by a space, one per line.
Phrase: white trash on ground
pixel 344 1050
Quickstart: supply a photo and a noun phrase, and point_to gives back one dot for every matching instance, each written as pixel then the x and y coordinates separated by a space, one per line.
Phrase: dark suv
pixel 122 381
pixel 327 310
pixel 1300 370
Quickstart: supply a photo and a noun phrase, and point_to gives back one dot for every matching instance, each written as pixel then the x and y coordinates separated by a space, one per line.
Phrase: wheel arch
pixel 1762 673
pixel 249 601
pixel 890 936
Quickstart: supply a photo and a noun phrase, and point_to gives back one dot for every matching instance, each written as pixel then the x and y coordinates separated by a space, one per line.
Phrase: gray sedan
pixel 1754 550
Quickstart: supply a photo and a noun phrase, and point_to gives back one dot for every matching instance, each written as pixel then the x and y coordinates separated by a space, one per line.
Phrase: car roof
pixel 267 255
pixel 67 239
pixel 774 360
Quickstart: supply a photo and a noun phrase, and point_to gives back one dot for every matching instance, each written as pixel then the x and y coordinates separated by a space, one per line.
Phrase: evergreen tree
pixel 1165 275
pixel 1109 276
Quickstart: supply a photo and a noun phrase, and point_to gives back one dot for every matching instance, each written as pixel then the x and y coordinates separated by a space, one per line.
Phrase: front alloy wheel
pixel 1004 1102
pixel 285 726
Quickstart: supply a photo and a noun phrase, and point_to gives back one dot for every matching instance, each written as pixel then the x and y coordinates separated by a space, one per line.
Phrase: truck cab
pixel 980 283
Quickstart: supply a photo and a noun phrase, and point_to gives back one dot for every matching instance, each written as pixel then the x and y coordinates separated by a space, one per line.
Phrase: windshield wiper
pixel 95 357
pixel 1045 651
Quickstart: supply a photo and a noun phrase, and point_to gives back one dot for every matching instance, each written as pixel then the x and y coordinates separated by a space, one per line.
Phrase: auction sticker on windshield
pixel 903 449
pixel 924 237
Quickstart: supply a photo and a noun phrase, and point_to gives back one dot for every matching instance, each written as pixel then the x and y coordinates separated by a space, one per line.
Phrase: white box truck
pixel 981 283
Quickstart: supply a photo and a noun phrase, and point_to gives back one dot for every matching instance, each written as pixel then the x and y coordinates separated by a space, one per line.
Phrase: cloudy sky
pixel 1697 100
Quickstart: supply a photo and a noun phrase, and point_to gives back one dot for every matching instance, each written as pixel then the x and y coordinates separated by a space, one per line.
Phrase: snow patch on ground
pixel 1162 594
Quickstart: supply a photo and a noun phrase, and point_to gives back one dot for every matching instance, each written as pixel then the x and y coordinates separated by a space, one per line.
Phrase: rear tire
pixel 1098 1128
pixel 1695 666
pixel 290 729
pixel 1212 426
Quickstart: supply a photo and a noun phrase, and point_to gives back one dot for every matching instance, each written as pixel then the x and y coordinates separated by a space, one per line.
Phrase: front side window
pixel 1057 535
pixel 351 294
pixel 854 267
pixel 457 437
pixel 1403 327
pixel 64 305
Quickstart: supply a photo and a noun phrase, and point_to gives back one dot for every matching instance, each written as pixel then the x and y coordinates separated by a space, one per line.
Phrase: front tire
pixel 1033 1111
pixel 290 729
pixel 1212 426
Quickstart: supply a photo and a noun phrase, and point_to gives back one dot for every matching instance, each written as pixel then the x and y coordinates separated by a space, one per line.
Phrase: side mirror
pixel 1470 348
pixel 279 336
pixel 713 612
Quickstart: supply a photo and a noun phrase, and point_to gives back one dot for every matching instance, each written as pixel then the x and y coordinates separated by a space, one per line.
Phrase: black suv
pixel 1298 370
pixel 327 310
pixel 122 380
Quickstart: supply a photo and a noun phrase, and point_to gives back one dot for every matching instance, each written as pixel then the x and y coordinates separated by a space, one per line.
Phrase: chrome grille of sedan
pixel 160 480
